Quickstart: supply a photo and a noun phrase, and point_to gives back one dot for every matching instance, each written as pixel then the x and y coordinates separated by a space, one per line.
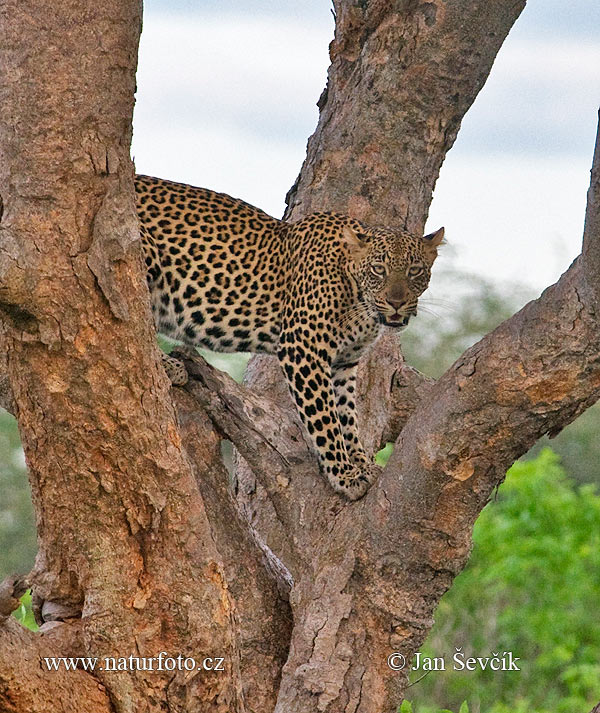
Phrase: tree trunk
pixel 144 546
pixel 122 528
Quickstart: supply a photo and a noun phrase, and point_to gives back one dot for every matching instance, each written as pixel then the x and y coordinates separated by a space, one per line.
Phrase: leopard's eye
pixel 415 270
pixel 378 269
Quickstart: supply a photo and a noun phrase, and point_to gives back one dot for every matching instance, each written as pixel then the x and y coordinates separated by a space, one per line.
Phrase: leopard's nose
pixel 395 303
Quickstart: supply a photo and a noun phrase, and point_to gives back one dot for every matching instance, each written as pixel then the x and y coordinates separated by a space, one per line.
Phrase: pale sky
pixel 226 100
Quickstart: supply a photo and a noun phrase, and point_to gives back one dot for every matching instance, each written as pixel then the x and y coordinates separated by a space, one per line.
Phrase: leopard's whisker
pixel 444 304
pixel 429 310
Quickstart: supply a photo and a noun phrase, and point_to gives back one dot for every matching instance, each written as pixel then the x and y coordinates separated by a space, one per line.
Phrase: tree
pixel 144 546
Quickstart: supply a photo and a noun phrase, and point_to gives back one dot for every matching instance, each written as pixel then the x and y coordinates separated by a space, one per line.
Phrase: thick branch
pixel 268 434
pixel 267 438
pixel 11 589
pixel 402 76
pixel 389 390
pixel 25 686
pixel 6 398
pixel 258 583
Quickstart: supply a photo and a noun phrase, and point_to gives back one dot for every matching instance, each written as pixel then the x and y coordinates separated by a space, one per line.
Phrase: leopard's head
pixel 392 269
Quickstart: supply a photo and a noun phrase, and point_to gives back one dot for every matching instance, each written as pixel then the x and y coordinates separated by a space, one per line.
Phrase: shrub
pixel 532 586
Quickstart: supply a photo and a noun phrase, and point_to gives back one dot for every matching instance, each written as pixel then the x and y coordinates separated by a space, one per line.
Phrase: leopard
pixel 316 293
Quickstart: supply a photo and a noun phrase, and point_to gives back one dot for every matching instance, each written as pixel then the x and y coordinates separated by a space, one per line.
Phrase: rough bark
pixel 402 77
pixel 27 687
pixel 143 545
pixel 259 592
pixel 400 81
pixel 122 528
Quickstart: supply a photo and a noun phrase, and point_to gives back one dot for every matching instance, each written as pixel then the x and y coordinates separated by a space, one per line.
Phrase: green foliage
pixel 407 707
pixel 384 454
pixel 24 614
pixel 532 587
pixel 234 364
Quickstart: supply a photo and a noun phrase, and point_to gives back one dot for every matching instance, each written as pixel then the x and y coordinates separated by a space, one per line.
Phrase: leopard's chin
pixel 395 321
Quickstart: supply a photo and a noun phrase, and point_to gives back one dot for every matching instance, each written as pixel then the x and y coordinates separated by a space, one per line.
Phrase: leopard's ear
pixel 432 242
pixel 356 249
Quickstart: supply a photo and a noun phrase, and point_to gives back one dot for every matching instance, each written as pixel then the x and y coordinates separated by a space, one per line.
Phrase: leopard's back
pixel 216 266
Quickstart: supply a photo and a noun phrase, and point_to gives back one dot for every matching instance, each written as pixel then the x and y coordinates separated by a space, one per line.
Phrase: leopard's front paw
pixel 355 481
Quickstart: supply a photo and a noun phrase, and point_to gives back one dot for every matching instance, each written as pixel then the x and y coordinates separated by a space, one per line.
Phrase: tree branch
pixel 389 390
pixel 591 233
pixel 271 442
pixel 258 583
pixel 401 78
pixel 12 589
pixel 6 398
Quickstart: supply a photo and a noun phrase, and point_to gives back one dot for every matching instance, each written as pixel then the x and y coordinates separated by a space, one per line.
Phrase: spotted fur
pixel 317 293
